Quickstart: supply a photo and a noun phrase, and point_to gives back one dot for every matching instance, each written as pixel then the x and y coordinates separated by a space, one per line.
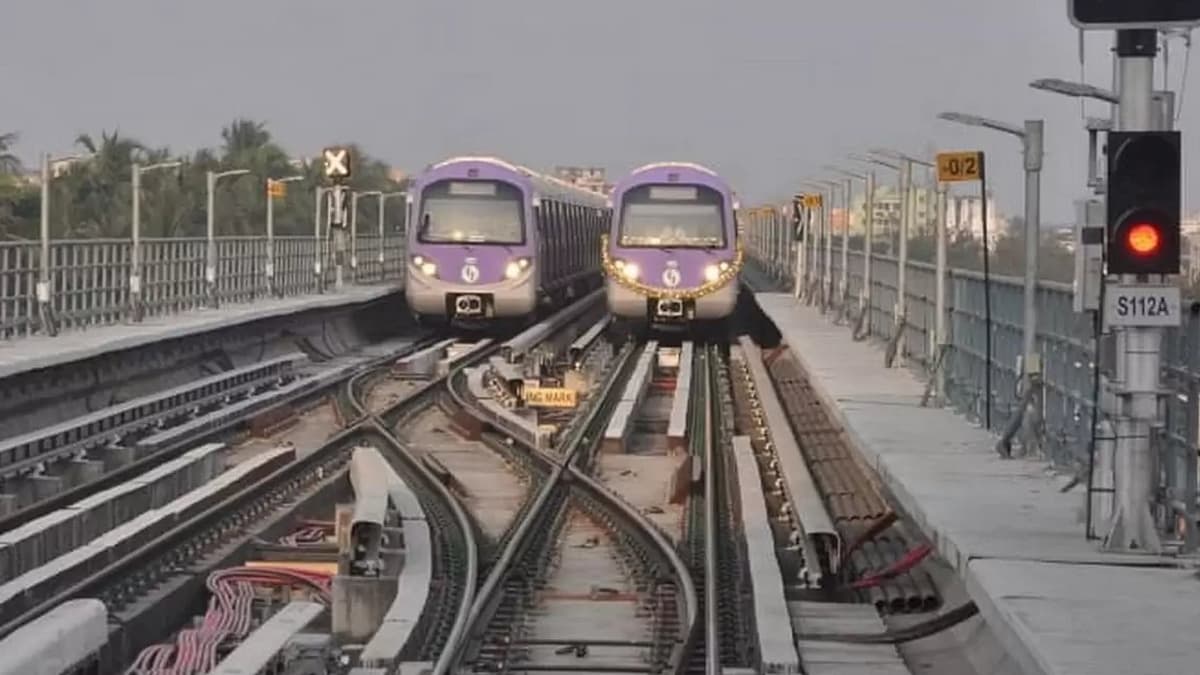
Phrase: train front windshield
pixel 672 216
pixel 471 212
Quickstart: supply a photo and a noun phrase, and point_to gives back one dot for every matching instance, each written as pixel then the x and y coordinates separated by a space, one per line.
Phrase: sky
pixel 763 91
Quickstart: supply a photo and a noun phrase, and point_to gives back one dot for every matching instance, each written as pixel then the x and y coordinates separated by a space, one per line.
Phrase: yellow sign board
pixel 277 189
pixel 958 167
pixel 539 397
pixel 812 201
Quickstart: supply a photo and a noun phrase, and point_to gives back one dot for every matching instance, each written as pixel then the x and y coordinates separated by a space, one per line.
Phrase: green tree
pixel 94 198
pixel 9 164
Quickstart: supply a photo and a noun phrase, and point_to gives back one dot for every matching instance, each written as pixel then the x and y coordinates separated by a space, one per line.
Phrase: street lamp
pixel 270 270
pixel 891 241
pixel 383 197
pixel 135 258
pixel 844 275
pixel 907 215
pixel 210 271
pixel 1093 125
pixel 827 265
pixel 45 311
pixel 1075 89
pixel 1031 143
pixel 864 296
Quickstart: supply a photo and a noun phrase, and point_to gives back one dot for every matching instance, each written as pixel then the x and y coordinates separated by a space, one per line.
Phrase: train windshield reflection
pixel 673 216
pixel 471 212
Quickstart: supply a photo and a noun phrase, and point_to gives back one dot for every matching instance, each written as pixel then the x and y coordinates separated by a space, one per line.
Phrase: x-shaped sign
pixel 337 162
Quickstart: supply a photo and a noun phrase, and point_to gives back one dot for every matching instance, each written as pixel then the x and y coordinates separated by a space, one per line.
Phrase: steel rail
pixel 487 594
pixel 174 449
pixel 585 433
pixel 242 502
pixel 712 627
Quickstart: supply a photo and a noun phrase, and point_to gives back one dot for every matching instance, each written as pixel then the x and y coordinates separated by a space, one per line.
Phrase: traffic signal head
pixel 1143 202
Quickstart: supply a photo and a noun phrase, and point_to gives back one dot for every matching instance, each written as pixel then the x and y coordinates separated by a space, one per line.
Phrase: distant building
pixel 964 216
pixel 1190 247
pixel 590 178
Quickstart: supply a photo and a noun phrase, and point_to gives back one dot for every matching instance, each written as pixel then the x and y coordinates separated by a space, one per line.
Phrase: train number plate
pixel 1142 305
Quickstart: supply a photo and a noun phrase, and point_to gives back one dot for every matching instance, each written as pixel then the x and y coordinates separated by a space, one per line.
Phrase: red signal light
pixel 1143 239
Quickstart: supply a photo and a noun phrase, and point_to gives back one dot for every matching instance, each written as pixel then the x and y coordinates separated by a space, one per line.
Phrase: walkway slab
pixel 1057 604
pixel 32 353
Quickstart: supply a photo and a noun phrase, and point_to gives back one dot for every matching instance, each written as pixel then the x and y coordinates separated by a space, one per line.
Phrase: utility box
pixel 1089 254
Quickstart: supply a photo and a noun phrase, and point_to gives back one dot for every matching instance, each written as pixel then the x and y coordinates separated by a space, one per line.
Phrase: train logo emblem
pixel 670 277
pixel 470 274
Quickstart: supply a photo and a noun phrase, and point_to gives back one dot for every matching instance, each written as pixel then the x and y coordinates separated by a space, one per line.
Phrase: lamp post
pixel 827 283
pixel 210 270
pixel 383 197
pixel 272 287
pixel 1031 135
pixel 907 216
pixel 1075 89
pixel 812 269
pixel 318 252
pixel 135 257
pixel 43 289
pixel 864 294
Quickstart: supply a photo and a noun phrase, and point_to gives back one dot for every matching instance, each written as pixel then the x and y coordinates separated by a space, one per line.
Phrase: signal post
pixel 1142 251
pixel 337 171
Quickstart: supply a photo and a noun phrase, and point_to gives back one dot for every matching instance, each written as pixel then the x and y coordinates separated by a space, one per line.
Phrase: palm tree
pixel 244 135
pixel 101 186
pixel 9 163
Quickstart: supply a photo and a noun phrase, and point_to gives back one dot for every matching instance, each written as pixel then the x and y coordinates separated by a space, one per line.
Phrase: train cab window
pixel 674 216
pixel 471 212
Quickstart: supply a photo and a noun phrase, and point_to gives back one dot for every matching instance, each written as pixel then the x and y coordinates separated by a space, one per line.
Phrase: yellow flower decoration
pixel 707 288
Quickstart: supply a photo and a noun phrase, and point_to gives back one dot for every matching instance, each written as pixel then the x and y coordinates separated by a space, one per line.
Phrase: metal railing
pixel 89 278
pixel 1065 340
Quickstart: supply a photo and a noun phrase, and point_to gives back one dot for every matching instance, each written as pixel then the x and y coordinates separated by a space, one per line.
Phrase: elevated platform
pixel 33 353
pixel 1057 604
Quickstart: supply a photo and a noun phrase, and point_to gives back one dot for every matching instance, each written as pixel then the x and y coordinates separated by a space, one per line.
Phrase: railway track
pixel 586 580
pixel 82 456
pixel 372 405
pixel 149 580
pixel 514 619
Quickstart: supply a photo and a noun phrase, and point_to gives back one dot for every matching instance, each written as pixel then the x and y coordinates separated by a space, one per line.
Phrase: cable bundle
pixel 229 617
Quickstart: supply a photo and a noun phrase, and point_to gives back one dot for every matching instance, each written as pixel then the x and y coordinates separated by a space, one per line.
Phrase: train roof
pixel 691 173
pixel 674 165
pixel 545 185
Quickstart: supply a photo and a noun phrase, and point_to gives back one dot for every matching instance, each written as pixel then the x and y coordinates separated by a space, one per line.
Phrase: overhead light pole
pixel 1075 89
pixel 864 295
pixel 1031 136
pixel 135 257
pixel 383 197
pixel 44 289
pixel 210 269
pixel 272 287
pixel 907 215
pixel 827 283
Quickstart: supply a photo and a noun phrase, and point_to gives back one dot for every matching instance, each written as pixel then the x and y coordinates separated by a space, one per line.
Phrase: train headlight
pixel 628 270
pixel 714 272
pixel 514 268
pixel 427 267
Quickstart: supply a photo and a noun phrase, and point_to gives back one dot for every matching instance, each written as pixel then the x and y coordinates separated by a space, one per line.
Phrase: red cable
pixel 908 561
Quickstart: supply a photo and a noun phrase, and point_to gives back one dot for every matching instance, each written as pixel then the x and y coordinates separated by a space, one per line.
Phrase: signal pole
pixel 1133 526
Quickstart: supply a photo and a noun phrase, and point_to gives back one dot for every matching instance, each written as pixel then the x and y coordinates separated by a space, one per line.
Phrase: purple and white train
pixel 672 256
pixel 492 240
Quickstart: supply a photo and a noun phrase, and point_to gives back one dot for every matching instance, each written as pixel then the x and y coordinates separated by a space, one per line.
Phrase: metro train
pixel 673 254
pixel 492 241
